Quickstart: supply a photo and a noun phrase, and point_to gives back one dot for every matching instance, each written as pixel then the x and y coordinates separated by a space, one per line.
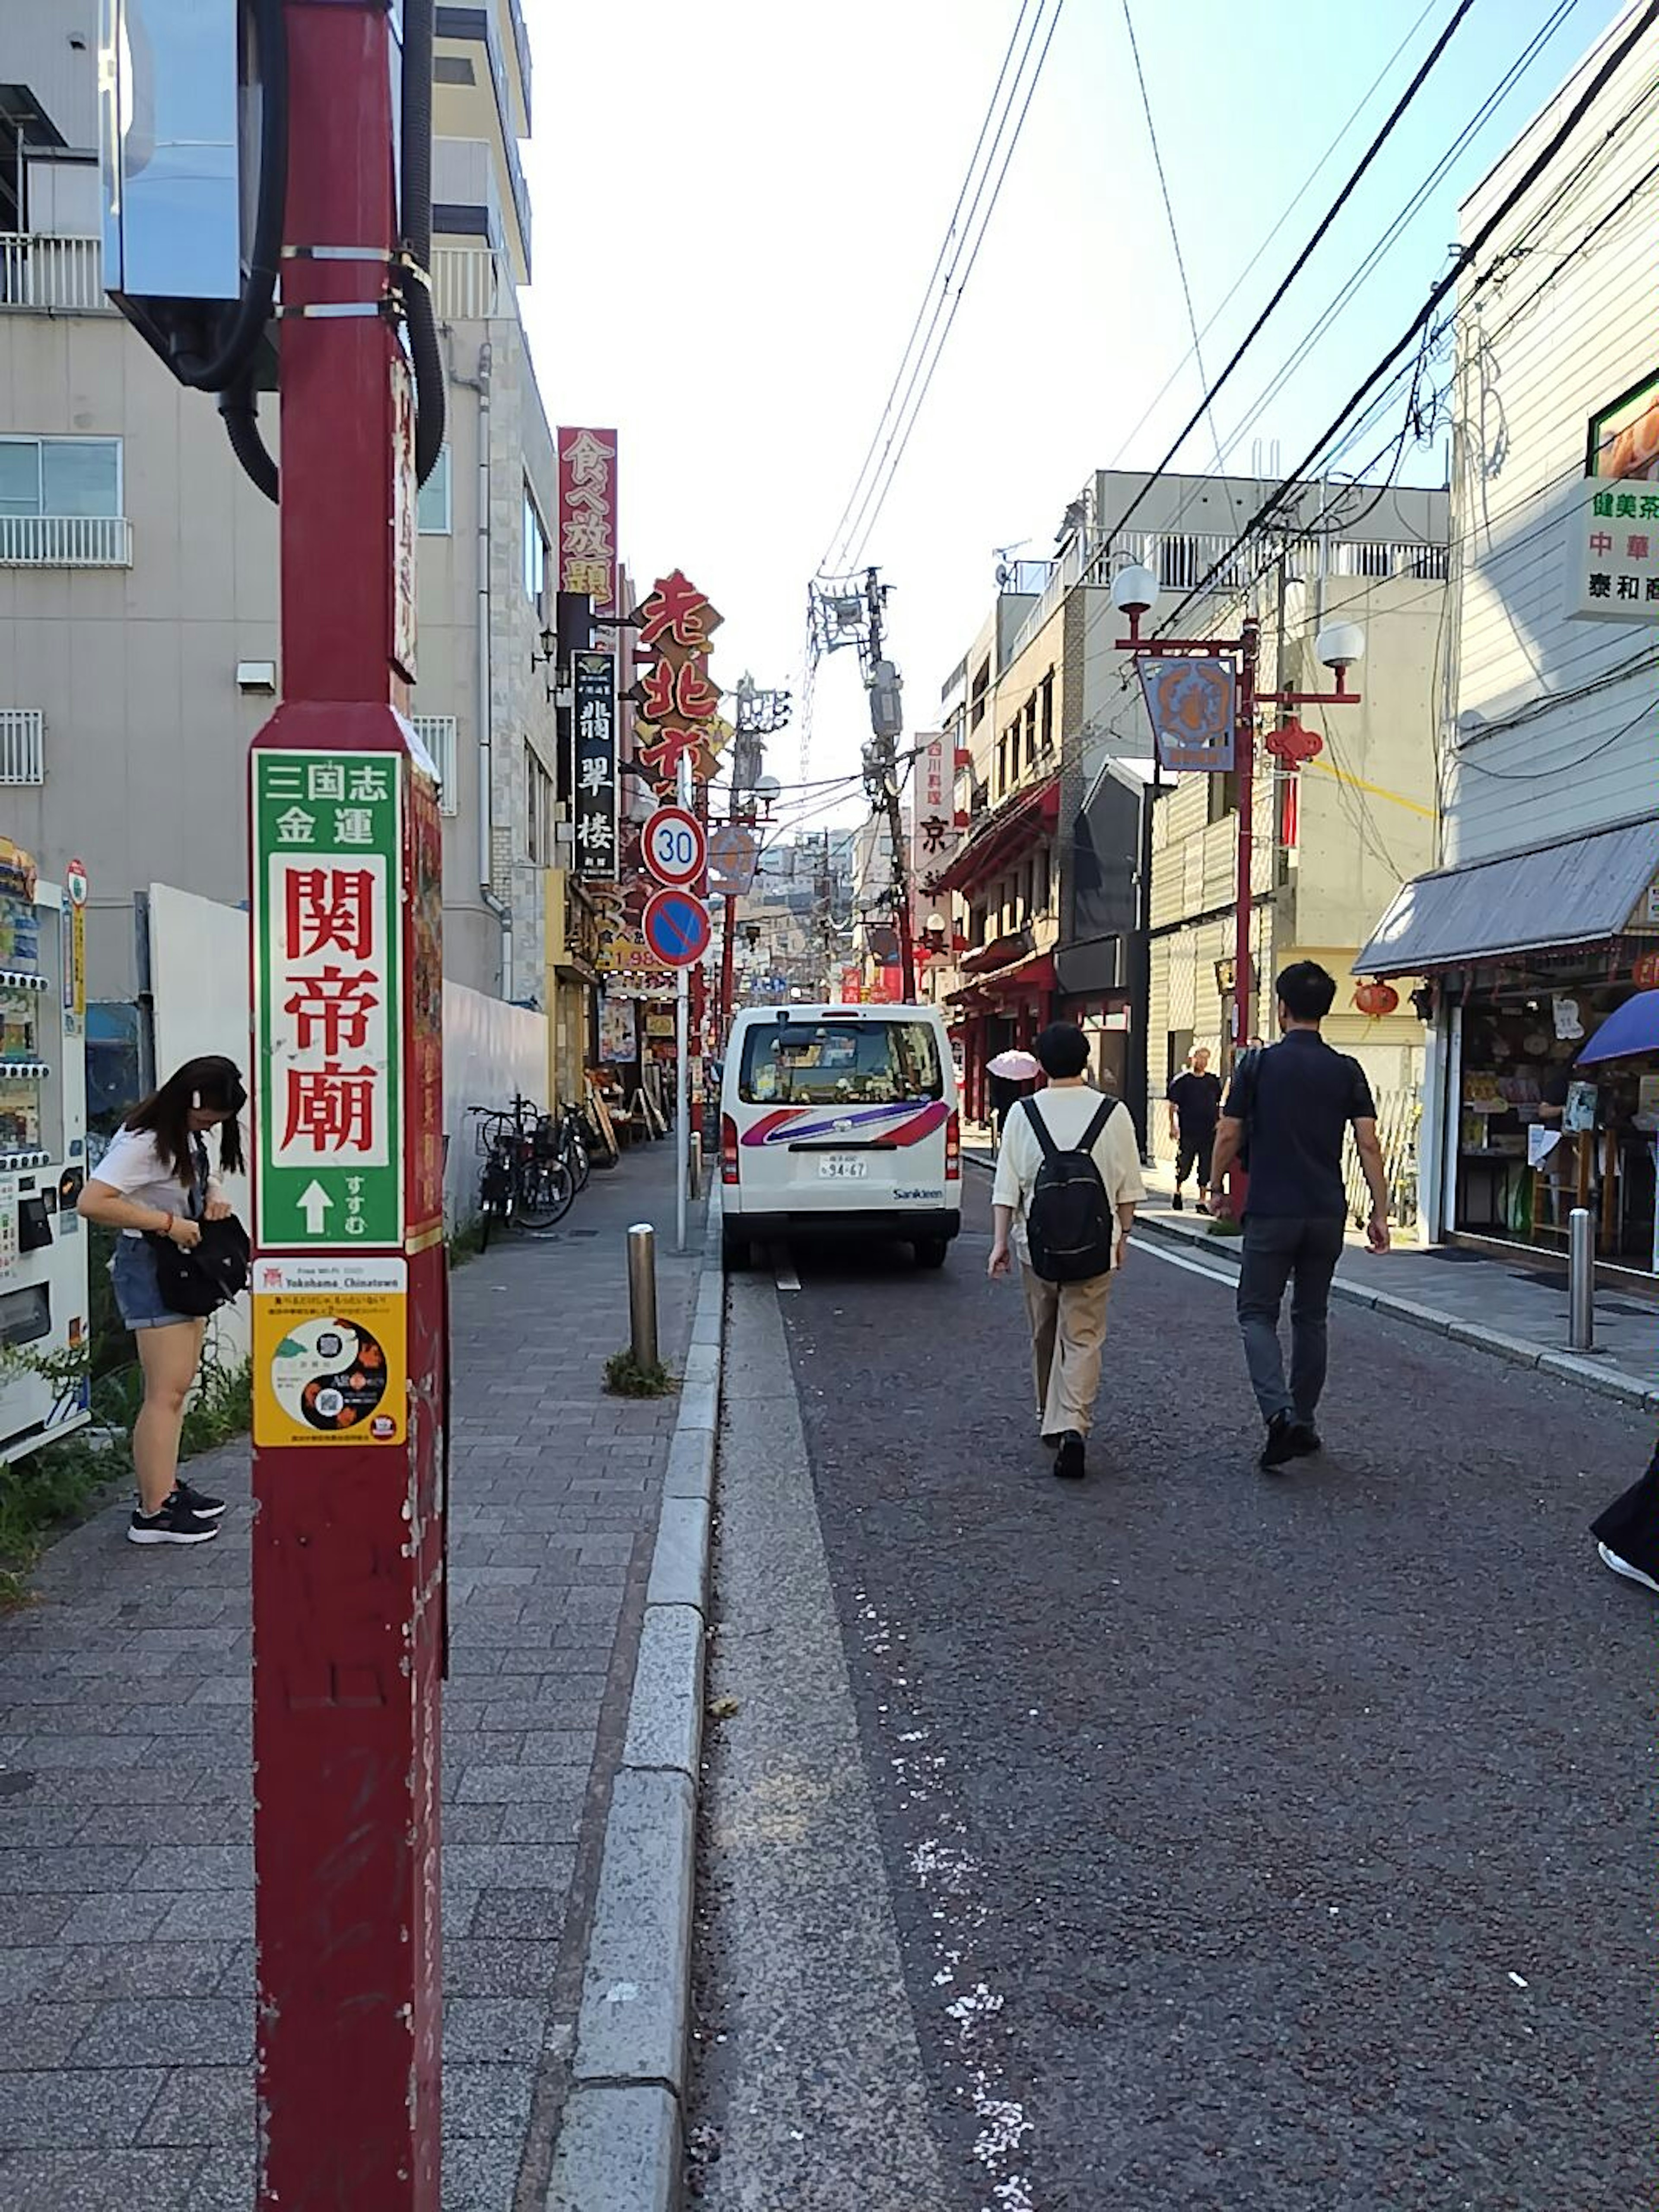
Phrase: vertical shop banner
pixel 933 836
pixel 587 515
pixel 327 935
pixel 595 783
pixel 1191 704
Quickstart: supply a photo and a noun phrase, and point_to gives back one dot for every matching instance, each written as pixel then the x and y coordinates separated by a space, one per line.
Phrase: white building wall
pixel 1558 337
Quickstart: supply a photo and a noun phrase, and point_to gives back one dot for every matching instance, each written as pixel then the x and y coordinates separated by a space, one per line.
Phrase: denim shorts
pixel 137 1293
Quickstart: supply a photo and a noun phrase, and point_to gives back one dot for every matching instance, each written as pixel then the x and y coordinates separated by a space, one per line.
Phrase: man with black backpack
pixel 1068 1181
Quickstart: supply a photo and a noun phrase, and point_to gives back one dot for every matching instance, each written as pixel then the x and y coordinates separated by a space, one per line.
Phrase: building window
pixel 1030 731
pixel 535 552
pixel 1002 766
pixel 431 506
pixel 1224 795
pixel 976 927
pixel 439 733
pixel 1048 712
pixel 60 476
pixel 23 746
pixel 541 809
pixel 1041 864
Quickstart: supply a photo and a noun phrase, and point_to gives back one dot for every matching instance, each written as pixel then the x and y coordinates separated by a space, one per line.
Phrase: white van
pixel 841 1119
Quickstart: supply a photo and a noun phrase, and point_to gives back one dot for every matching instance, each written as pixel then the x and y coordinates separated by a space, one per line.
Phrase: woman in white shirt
pixel 155 1181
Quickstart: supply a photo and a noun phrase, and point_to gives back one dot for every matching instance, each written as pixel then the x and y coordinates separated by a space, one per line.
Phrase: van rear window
pixel 827 1063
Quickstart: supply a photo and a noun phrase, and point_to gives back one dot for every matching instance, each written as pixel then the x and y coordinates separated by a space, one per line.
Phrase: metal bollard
pixel 642 1294
pixel 1581 1279
pixel 696 1168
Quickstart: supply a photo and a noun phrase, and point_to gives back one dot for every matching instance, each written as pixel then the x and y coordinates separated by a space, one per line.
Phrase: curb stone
pixel 1519 1352
pixel 619 2141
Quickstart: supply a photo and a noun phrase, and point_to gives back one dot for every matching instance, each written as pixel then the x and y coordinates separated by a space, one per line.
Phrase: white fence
pixel 491 1050
pixel 43 273
pixel 65 541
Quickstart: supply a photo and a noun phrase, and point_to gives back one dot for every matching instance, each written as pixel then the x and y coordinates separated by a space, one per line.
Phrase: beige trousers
pixel 1068 1336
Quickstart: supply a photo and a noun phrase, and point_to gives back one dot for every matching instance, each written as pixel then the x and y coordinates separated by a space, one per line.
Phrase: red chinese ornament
pixel 1376 999
pixel 1292 744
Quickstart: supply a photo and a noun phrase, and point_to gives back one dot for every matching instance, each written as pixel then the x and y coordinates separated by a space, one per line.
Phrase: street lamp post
pixel 1339 645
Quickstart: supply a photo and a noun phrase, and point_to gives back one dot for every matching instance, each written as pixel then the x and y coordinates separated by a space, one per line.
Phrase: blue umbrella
pixel 1633 1029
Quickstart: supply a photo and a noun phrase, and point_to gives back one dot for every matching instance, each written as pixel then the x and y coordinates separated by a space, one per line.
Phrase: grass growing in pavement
pixel 624 1378
pixel 466 1243
pixel 48 1493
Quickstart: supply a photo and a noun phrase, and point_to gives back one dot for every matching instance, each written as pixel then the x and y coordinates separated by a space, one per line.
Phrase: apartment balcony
pixel 65 541
pixel 44 276
pixel 23 746
pixel 468 284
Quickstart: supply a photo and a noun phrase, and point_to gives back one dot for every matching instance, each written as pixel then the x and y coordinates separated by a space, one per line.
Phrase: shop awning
pixel 1582 891
pixel 1003 837
pixel 1018 982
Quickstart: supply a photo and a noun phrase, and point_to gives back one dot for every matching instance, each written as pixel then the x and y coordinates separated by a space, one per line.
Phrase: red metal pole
pixel 1243 977
pixel 351 1341
pixel 728 966
pixel 907 947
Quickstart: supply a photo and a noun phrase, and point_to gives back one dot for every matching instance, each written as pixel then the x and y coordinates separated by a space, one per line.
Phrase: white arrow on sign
pixel 316 1205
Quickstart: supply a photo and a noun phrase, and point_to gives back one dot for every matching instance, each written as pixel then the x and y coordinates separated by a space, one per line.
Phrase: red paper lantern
pixel 1376 999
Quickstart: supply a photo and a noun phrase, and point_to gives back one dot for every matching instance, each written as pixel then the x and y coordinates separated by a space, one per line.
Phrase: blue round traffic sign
pixel 675 926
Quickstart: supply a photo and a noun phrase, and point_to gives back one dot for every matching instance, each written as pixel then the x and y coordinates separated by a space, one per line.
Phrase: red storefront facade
pixel 1006 874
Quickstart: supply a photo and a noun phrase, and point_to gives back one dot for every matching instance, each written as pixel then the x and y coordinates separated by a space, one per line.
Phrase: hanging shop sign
pixel 618 1028
pixel 593 680
pixel 325 904
pixel 679 702
pixel 1191 703
pixel 587 515
pixel 934 836
pixel 1613 517
pixel 733 856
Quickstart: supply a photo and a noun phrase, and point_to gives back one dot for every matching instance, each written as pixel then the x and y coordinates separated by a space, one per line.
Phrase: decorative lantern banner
pixel 934 836
pixel 1191 701
pixel 587 515
pixel 594 680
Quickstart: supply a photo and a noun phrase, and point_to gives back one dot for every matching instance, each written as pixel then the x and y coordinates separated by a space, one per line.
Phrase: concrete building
pixel 138 568
pixel 1541 918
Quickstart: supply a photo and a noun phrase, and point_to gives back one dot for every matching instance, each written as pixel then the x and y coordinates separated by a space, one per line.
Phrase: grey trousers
pixel 1277 1252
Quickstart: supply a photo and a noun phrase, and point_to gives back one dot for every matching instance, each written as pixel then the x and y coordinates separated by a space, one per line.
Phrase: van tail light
pixel 953 1148
pixel 729 1149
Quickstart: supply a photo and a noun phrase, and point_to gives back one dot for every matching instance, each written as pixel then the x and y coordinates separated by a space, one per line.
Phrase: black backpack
pixel 1069 1222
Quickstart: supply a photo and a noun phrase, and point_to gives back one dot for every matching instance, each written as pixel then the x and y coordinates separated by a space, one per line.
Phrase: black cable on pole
pixel 415 286
pixel 1303 259
pixel 1437 292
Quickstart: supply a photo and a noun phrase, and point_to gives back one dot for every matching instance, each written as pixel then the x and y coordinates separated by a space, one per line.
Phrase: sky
pixel 738 206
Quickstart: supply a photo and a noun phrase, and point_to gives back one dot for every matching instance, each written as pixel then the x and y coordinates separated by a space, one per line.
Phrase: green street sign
pixel 327 943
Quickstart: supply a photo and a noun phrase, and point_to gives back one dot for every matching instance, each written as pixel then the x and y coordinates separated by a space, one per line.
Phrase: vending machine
pixel 43 1310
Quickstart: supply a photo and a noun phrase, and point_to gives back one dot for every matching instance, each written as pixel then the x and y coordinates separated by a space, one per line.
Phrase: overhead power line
pixel 1466 257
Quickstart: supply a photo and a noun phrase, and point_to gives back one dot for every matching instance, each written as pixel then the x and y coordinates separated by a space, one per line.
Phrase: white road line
pixel 1157 1251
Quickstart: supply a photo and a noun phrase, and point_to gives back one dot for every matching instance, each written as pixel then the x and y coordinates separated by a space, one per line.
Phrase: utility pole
pixel 881 781
pixel 349 1271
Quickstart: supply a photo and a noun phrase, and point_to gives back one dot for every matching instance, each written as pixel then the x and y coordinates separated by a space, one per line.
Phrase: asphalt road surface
pixel 1189 1840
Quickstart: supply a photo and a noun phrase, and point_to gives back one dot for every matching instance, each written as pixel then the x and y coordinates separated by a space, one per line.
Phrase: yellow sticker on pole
pixel 331 1360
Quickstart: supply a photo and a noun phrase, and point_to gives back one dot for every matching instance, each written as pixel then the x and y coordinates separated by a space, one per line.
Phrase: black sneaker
pixel 174 1523
pixel 1068 1460
pixel 1281 1445
pixel 1178 1202
pixel 1305 1439
pixel 204 1507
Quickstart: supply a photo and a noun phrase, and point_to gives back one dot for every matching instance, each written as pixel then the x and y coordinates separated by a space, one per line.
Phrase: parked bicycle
pixel 527 1182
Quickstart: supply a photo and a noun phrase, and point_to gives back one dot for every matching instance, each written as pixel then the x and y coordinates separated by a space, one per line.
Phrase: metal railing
pixel 1399 1117
pixel 22 744
pixel 466 283
pixel 1388 558
pixel 42 276
pixel 65 541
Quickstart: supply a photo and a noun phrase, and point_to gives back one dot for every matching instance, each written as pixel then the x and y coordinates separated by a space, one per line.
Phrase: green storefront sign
pixel 327 937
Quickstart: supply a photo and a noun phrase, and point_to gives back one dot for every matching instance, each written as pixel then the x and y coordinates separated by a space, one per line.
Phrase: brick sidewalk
pixel 126 1903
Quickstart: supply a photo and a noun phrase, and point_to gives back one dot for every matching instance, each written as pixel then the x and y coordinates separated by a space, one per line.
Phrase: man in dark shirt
pixel 1294 1103
pixel 1194 1099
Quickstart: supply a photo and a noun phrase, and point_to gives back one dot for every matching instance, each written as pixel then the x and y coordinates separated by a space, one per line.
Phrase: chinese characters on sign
pixel 934 837
pixel 587 515
pixel 1612 540
pixel 679 703
pixel 325 909
pixel 594 677
pixel 1190 703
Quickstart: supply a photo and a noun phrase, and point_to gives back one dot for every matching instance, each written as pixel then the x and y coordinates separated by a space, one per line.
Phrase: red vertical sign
pixel 587 515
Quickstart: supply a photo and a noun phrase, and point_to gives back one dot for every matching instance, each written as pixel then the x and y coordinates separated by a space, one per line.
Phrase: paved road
pixel 1245 1844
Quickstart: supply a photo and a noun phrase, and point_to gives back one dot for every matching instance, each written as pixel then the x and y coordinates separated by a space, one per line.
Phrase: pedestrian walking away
pixel 1291 1105
pixel 1195 1103
pixel 155 1185
pixel 1067 1184
pixel 1627 1532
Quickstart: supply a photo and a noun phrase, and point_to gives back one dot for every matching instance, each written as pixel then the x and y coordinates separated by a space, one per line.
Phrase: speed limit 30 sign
pixel 674 847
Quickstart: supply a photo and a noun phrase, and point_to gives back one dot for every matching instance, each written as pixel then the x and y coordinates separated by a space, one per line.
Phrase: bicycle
pixel 525 1184
pixel 574 1143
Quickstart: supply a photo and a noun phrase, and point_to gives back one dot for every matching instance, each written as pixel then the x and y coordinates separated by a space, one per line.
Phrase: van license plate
pixel 843 1170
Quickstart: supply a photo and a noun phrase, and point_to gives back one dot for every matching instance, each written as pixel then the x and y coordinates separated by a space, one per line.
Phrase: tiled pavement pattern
pixel 126 1908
